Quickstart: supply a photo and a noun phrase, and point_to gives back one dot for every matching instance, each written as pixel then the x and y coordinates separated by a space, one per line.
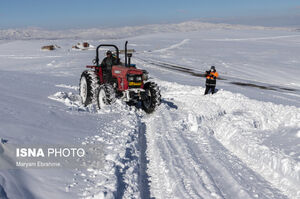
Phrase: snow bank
pixel 246 129
pixel 73 101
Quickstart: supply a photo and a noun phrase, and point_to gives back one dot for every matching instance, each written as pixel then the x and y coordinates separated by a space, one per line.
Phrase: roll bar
pixel 108 45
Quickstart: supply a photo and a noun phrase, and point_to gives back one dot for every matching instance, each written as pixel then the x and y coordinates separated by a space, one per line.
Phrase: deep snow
pixel 242 142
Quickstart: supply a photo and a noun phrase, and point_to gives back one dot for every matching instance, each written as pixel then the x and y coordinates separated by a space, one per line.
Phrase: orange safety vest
pixel 214 74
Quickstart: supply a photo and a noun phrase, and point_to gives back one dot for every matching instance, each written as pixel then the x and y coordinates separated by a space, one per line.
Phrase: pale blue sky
pixel 57 14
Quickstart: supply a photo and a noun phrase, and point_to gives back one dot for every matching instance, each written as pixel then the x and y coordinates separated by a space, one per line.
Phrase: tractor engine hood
pixel 122 71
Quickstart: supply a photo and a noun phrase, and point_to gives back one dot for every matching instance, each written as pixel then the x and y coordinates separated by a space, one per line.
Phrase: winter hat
pixel 213 68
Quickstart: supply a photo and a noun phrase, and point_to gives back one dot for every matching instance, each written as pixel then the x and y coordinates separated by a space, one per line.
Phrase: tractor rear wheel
pixel 88 86
pixel 152 97
pixel 105 95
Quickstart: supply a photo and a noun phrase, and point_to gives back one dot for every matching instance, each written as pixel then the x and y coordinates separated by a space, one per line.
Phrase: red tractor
pixel 127 83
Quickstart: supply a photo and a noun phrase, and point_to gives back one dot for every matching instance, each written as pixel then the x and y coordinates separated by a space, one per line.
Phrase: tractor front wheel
pixel 152 97
pixel 105 95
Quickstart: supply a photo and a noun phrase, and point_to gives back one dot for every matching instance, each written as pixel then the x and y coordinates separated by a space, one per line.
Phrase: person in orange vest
pixel 211 76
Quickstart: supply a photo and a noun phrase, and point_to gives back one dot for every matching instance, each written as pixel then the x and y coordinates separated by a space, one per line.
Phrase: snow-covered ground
pixel 242 142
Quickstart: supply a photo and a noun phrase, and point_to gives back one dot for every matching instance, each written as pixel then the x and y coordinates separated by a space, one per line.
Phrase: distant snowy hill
pixel 120 32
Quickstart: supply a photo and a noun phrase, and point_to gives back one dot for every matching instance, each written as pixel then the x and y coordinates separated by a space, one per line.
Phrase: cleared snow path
pixel 208 147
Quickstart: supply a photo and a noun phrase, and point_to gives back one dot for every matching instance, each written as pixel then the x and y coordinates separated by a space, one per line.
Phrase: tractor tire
pixel 106 95
pixel 152 98
pixel 88 86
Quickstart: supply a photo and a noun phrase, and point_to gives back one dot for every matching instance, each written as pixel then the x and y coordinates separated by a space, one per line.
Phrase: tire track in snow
pixel 144 187
pixel 182 169
pixel 174 46
pixel 186 161
pixel 130 156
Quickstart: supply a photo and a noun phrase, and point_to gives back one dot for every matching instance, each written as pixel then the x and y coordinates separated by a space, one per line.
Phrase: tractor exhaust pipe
pixel 126 64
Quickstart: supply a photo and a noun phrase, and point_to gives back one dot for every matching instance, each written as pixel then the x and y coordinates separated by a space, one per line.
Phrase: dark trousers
pixel 208 88
pixel 107 76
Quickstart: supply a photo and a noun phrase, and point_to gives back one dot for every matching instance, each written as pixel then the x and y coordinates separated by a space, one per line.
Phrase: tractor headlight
pixel 145 75
pixel 138 78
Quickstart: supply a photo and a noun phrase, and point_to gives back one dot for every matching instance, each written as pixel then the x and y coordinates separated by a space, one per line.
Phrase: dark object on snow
pixel 75 47
pixel 81 46
pixel 50 47
pixel 211 76
pixel 85 44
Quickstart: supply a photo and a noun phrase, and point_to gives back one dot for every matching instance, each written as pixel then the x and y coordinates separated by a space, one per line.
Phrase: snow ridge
pixel 119 32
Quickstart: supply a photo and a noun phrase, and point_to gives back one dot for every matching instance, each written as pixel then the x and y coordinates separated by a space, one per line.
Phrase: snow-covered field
pixel 242 142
